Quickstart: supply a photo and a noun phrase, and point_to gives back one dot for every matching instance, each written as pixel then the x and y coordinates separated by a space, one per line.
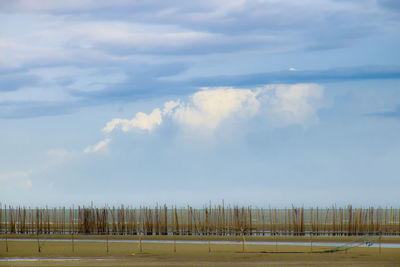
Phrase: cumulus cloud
pixel 98 147
pixel 170 106
pixel 141 120
pixel 293 104
pixel 208 108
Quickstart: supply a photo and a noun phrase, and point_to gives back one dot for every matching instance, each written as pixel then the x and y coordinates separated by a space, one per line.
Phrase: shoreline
pixel 319 239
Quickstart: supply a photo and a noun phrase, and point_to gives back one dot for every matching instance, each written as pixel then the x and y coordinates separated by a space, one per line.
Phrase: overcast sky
pixel 268 103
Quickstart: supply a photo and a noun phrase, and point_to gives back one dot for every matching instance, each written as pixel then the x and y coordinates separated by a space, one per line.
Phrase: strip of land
pixel 66 253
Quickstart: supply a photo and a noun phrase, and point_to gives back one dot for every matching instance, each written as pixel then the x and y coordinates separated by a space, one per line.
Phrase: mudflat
pixel 25 253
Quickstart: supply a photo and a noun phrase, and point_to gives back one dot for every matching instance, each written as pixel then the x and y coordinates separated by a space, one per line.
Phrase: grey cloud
pixel 14 81
pixel 136 88
pixel 391 4
pixel 144 81
pixel 330 75
pixel 392 7
pixel 159 70
pixel 148 81
pixel 326 25
pixel 65 81
pixel 146 86
pixel 390 114
pixel 223 16
pixel 26 109
pixel 203 46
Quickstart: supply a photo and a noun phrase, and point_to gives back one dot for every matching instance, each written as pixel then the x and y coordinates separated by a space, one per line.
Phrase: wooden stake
pixel 243 246
pixel 38 244
pixel 6 241
pixel 73 247
pixel 209 243
pixel 73 228
pixel 380 242
pixel 107 243
pixel 174 243
pixel 140 244
pixel 6 228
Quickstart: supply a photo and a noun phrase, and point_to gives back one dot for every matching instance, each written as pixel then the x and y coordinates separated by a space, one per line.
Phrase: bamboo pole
pixel 380 243
pixel 107 243
pixel 243 244
pixel 243 241
pixel 209 242
pixel 38 244
pixel 218 220
pixel 73 246
pixel 6 229
pixel 6 242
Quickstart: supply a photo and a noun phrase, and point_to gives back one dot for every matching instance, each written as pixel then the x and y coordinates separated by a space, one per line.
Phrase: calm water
pixel 265 243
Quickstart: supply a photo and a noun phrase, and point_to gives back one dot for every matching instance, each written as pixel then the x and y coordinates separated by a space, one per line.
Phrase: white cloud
pixel 209 107
pixel 98 147
pixel 293 104
pixel 170 106
pixel 141 120
pixel 114 123
pixel 146 121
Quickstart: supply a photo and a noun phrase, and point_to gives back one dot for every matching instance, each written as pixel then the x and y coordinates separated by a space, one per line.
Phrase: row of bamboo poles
pixel 209 220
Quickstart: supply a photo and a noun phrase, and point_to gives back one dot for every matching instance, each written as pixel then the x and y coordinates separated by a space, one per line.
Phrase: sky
pixel 262 103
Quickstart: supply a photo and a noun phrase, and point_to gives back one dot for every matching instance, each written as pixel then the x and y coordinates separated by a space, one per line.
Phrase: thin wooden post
pixel 243 241
pixel 209 242
pixel 140 244
pixel 174 243
pixel 380 242
pixel 6 241
pixel 73 247
pixel 73 228
pixel 107 243
pixel 6 227
pixel 38 244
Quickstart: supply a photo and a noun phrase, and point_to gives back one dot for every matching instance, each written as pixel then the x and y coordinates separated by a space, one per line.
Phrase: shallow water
pixel 51 259
pixel 265 243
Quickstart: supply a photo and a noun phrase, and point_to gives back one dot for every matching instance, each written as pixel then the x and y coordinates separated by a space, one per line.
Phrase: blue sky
pixel 268 103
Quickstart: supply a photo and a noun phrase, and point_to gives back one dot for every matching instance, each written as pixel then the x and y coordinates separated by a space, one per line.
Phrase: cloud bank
pixel 207 109
pixel 58 57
